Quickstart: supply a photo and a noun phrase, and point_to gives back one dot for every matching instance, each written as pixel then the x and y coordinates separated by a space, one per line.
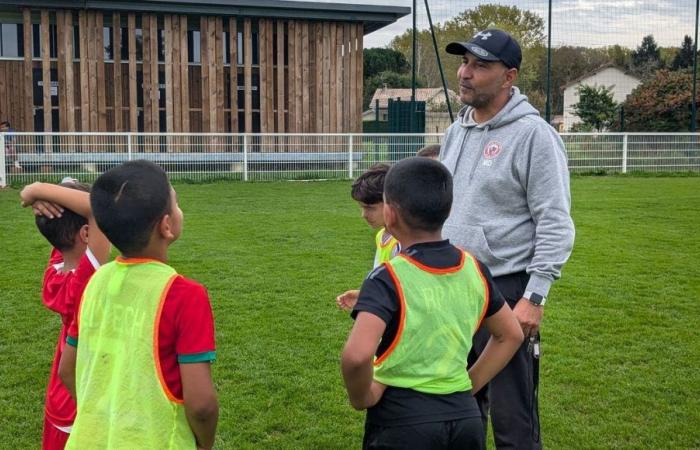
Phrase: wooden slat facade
pixel 306 74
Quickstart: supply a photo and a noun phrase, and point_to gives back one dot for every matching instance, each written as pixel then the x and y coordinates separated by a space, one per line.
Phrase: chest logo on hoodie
pixel 491 151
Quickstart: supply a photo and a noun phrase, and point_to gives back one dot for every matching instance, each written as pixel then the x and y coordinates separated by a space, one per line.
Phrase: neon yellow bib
pixel 440 312
pixel 122 401
pixel 386 249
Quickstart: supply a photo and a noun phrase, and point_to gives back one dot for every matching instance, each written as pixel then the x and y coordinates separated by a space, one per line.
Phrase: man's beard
pixel 480 100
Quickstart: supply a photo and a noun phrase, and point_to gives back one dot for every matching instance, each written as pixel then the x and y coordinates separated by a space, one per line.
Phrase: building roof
pixel 422 95
pixel 374 17
pixel 598 70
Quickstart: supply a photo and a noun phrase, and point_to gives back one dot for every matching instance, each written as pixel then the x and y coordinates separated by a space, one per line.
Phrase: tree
pixel 377 60
pixel 646 59
pixel 596 107
pixel 661 103
pixel 684 57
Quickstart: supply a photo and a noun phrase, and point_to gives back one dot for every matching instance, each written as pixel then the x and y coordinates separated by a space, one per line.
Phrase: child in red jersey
pixel 63 217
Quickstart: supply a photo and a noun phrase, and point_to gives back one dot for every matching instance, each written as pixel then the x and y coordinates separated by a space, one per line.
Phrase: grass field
pixel 621 346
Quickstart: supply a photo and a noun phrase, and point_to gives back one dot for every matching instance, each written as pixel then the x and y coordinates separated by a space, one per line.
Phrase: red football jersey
pixel 185 330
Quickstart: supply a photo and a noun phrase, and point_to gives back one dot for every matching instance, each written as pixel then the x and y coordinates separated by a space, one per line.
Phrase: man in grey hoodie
pixel 511 210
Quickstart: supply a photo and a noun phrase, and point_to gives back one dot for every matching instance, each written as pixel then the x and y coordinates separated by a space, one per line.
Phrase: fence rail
pixel 26 157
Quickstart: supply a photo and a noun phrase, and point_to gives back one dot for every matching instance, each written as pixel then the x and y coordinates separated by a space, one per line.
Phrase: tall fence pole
pixel 624 153
pixel 350 158
pixel 413 73
pixel 694 106
pixel 3 173
pixel 245 157
pixel 548 106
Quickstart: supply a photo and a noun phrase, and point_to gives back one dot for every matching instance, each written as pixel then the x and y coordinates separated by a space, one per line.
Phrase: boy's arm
pixel 201 404
pixel 76 201
pixel 506 337
pixel 66 368
pixel 357 358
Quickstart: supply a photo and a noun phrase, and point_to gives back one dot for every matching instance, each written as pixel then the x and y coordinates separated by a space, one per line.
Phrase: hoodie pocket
pixel 474 241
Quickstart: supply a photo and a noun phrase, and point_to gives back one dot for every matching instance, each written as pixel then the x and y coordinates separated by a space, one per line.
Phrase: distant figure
pixel 11 161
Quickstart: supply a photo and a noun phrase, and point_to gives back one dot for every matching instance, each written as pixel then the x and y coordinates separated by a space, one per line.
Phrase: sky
pixel 590 23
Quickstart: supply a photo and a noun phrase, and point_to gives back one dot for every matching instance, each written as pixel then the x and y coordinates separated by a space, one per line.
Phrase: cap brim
pixel 460 48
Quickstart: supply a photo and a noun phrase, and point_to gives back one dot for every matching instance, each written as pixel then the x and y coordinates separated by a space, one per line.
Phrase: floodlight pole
pixel 437 55
pixel 548 106
pixel 694 106
pixel 413 72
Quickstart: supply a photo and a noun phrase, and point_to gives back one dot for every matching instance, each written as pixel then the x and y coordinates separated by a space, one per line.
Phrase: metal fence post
pixel 128 145
pixel 245 157
pixel 624 153
pixel 3 173
pixel 350 158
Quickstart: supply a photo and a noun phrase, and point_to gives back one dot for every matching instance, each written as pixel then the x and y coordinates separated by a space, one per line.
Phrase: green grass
pixel 621 347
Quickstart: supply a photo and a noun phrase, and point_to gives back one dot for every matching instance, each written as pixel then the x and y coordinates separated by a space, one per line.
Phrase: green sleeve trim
pixel 73 342
pixel 196 358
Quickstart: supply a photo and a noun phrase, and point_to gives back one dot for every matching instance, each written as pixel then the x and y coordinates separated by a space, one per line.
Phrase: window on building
pixel 194 46
pixel 161 45
pixel 76 41
pixel 239 52
pixel 53 39
pixel 107 42
pixel 125 43
pixel 139 44
pixel 12 37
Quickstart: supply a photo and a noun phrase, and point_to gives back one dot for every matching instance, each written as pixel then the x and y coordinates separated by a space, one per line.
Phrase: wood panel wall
pixel 310 75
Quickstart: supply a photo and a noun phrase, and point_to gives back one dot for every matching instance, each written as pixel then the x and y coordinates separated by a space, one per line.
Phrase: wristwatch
pixel 535 298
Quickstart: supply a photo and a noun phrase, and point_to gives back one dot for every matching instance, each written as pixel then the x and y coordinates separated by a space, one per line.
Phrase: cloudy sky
pixel 591 23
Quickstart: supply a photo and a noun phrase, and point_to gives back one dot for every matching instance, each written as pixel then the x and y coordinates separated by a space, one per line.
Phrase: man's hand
pixel 347 300
pixel 529 316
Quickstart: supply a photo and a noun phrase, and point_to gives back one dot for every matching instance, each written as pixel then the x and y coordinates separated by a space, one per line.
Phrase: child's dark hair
pixel 368 188
pixel 128 201
pixel 61 231
pixel 429 151
pixel 421 190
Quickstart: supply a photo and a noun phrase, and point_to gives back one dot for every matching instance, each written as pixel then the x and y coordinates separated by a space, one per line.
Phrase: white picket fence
pixel 27 157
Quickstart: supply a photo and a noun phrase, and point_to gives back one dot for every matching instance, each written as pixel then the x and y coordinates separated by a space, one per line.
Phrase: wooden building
pixel 184 66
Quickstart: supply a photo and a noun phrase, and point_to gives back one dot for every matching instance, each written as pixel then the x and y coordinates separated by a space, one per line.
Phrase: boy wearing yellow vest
pixel 140 349
pixel 368 192
pixel 414 321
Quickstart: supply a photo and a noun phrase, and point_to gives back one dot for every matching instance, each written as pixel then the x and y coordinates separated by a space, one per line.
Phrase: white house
pixel 620 83
pixel 437 119
pixel 434 99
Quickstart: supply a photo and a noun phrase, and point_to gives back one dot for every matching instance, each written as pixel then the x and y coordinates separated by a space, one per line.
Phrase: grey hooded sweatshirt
pixel 511 192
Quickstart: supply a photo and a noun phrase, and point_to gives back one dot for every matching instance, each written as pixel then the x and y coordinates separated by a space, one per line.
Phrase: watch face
pixel 536 299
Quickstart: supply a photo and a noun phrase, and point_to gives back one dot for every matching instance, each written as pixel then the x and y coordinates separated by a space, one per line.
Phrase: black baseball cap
pixel 490 45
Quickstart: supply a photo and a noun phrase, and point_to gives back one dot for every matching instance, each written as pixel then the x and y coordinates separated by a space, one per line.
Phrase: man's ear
pixel 510 77
pixel 165 228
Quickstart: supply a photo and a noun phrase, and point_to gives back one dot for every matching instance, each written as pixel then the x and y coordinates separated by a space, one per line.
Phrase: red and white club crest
pixel 492 150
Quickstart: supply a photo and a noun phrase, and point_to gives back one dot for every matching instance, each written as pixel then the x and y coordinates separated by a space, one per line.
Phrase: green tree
pixel 377 60
pixel 596 107
pixel 525 26
pixel 661 103
pixel 684 57
pixel 646 59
